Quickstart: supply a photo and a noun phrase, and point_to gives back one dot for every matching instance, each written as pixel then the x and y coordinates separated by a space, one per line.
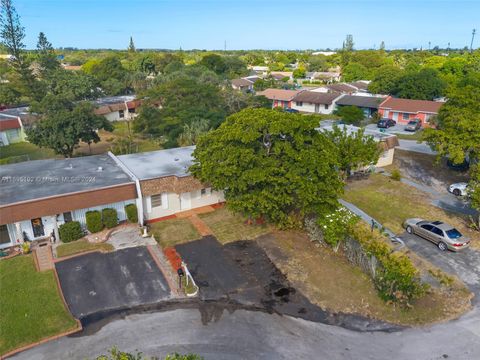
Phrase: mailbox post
pixel 181 274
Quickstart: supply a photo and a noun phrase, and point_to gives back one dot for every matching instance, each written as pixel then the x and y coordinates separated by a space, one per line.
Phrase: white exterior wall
pixel 171 203
pixel 49 221
pixel 310 108
pixel 386 158
pixel 4 138
pixel 115 116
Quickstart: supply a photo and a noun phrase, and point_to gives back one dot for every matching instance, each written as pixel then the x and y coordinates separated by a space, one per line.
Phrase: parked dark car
pixel 413 125
pixel 293 111
pixel 386 123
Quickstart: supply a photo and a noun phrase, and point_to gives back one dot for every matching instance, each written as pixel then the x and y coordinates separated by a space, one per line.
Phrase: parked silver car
pixel 443 235
pixel 459 189
pixel 413 125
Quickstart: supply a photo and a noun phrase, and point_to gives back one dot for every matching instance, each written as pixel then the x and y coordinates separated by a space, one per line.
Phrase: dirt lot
pixel 242 273
pixel 329 281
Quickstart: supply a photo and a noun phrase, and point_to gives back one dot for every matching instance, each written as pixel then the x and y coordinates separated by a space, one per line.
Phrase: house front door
pixel 37 226
pixel 317 108
pixel 185 201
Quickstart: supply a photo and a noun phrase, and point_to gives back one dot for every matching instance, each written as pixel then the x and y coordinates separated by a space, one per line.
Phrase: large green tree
pixel 355 150
pixel 351 114
pixel 423 85
pixel 62 124
pixel 270 164
pixel 385 79
pixel 46 57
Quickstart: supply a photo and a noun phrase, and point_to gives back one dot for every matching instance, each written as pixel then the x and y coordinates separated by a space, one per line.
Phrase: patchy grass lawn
pixel 174 231
pixel 392 202
pixel 228 226
pixel 330 281
pixel 80 246
pixel 23 151
pixel 108 139
pixel 31 307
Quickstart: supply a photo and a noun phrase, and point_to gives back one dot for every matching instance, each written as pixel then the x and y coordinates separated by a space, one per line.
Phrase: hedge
pixel 109 217
pixel 70 231
pixel 132 214
pixel 397 279
pixel 94 221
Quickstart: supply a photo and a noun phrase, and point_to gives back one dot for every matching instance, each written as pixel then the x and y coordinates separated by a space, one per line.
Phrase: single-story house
pixel 165 185
pixel 361 85
pixel 342 88
pixel 368 104
pixel 11 125
pixel 280 75
pixel 259 69
pixel 38 196
pixel 242 84
pixel 315 102
pixel 117 108
pixel 387 142
pixel 404 110
pixel 280 98
pixel 326 76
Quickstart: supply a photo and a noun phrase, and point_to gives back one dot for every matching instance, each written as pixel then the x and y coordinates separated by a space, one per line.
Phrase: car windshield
pixel 412 123
pixel 453 234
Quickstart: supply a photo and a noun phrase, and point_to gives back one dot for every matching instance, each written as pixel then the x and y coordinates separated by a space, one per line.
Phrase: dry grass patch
pixel 174 231
pixel 330 281
pixel 392 202
pixel 80 246
pixel 228 226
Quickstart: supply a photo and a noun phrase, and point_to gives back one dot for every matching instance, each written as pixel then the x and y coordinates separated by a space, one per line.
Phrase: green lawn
pixel 392 202
pixel 80 246
pixel 31 307
pixel 23 151
pixel 174 231
pixel 228 227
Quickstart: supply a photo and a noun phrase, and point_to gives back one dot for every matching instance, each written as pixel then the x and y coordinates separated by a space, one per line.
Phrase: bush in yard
pixel 109 217
pixel 70 231
pixel 397 279
pixel 132 214
pixel 396 175
pixel 94 221
pixel 336 226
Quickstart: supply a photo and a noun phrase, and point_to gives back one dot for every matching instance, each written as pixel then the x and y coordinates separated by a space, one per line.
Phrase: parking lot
pixel 99 282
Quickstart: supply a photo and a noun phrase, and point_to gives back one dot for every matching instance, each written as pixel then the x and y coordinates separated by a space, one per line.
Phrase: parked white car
pixel 458 189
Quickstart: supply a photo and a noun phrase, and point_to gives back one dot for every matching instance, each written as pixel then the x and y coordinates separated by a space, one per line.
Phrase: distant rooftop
pixel 110 100
pixel 161 163
pixel 45 178
pixel 16 112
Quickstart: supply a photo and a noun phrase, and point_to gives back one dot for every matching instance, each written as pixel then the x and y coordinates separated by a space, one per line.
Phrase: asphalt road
pixel 255 335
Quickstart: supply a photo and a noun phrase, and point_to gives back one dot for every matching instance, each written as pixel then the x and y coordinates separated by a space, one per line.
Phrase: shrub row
pixel 108 218
pixel 396 279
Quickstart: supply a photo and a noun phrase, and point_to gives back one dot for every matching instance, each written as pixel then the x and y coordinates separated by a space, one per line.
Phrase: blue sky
pixel 250 24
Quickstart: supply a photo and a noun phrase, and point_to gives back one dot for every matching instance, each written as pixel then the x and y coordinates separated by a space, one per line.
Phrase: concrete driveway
pixel 97 282
pixel 464 264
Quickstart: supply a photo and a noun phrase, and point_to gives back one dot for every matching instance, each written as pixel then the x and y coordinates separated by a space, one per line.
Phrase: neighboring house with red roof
pixel 11 126
pixel 404 110
pixel 316 102
pixel 117 108
pixel 280 98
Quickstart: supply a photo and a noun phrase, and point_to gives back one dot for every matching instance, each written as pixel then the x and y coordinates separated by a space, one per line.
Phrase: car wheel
pixel 409 229
pixel 442 246
pixel 457 192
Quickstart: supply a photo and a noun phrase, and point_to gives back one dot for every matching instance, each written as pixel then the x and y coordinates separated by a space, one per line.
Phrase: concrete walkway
pixel 201 227
pixel 413 145
pixel 44 257
pixel 129 236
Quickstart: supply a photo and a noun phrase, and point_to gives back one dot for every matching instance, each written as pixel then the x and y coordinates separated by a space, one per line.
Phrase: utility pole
pixel 473 37
pixel 225 46
pixel 429 43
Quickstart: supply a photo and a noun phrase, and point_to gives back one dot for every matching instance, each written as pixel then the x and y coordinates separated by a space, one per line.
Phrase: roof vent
pixel 100 168
pixel 176 159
